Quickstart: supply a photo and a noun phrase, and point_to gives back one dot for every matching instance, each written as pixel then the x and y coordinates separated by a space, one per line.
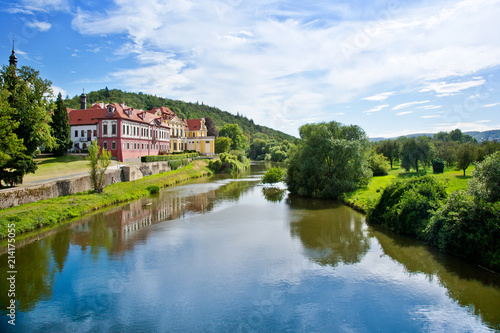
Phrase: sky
pixel 392 67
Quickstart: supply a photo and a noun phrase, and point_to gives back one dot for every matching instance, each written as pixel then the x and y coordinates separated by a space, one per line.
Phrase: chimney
pixel 83 101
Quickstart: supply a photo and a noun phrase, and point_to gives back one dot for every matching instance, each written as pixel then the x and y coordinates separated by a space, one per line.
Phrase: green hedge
pixel 156 158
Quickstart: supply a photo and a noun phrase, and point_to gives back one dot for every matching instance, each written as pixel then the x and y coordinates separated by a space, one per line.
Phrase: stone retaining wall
pixel 12 197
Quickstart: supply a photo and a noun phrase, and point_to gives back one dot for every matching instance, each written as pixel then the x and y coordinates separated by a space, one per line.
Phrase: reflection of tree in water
pixel 331 233
pixel 60 247
pixel 233 190
pixel 35 277
pixel 466 283
pixel 274 194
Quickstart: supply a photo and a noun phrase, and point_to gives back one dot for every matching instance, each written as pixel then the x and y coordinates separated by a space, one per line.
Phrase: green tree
pixel 29 98
pixel 211 129
pixel 98 164
pixel 414 151
pixel 257 149
pixel 273 175
pixel 466 154
pixel 378 163
pixel 390 149
pixel 233 131
pixel 14 164
pixel 485 182
pixel 60 128
pixel 329 160
pixel 222 144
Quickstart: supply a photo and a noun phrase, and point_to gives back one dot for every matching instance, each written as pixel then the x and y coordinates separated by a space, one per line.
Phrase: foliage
pixel 98 164
pixel 487 148
pixel 329 160
pixel 273 194
pixel 240 156
pixel 152 189
pixel 211 129
pixel 406 205
pixel 175 164
pixel 257 150
pixel 485 184
pixel 414 151
pixel 227 163
pixel 182 109
pixel 222 144
pixel 54 211
pixel 156 158
pixel 447 151
pixel 466 154
pixel 28 99
pixel 11 147
pixel 13 171
pixel 233 131
pixel 390 149
pixel 60 128
pixel 378 164
pixel 437 165
pixel 273 175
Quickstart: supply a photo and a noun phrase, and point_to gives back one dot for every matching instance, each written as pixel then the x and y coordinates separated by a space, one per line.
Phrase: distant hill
pixel 182 109
pixel 493 135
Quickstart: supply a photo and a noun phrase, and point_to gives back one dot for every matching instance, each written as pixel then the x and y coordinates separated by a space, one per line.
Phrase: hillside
pixel 182 109
pixel 493 135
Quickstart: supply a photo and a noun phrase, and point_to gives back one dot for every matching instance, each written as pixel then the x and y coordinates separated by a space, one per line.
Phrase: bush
pixel 378 164
pixel 485 182
pixel 467 228
pixel 174 164
pixel 438 165
pixel 406 205
pixel 273 175
pixel 228 163
pixel 215 165
pixel 153 189
pixel 156 158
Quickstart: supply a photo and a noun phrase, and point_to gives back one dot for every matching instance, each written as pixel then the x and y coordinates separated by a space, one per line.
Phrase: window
pixel 123 146
pixel 113 145
pixel 104 129
pixel 113 129
pixel 82 133
pixel 105 145
pixel 76 134
pixel 128 145
pixel 95 132
pixel 127 130
pixel 207 142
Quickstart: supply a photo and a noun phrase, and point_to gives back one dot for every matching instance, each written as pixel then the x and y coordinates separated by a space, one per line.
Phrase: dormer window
pixel 111 111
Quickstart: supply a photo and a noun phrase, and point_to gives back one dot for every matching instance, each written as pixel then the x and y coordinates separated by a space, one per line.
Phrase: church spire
pixel 83 100
pixel 13 58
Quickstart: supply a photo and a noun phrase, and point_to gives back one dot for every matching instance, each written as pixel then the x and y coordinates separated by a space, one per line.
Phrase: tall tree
pixel 390 149
pixel 60 128
pixel 466 154
pixel 29 99
pixel 211 129
pixel 329 160
pixel 414 151
pixel 98 164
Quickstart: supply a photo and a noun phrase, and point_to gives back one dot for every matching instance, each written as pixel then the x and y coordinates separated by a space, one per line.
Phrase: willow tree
pixel 330 160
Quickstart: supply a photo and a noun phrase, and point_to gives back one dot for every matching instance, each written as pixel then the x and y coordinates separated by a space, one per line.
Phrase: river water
pixel 231 255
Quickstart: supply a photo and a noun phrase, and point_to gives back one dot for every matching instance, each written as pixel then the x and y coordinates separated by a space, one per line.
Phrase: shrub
pixel 273 175
pixel 437 165
pixel 153 189
pixel 406 205
pixel 155 158
pixel 174 164
pixel 378 164
pixel 215 165
pixel 485 184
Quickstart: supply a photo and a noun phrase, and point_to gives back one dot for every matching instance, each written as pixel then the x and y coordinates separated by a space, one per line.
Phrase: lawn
pixel 366 197
pixel 52 167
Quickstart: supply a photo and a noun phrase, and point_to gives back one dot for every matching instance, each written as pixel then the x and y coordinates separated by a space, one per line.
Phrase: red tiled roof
pixel 125 112
pixel 194 124
pixel 85 117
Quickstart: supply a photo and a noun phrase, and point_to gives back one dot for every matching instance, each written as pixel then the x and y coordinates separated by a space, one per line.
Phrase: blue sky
pixel 392 67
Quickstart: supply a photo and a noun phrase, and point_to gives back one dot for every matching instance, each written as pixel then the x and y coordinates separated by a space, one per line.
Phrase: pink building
pixel 130 134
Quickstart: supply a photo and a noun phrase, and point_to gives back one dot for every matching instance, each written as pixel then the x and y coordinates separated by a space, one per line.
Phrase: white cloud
pixel 380 97
pixel 239 55
pixel 56 90
pixel 41 26
pixel 445 89
pixel 465 127
pixel 403 113
pixel 429 107
pixel 60 5
pixel 491 105
pixel 376 109
pixel 483 121
pixel 405 105
pixel 431 116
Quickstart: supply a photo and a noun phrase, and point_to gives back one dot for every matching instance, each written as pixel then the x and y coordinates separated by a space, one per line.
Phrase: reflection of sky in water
pixel 248 264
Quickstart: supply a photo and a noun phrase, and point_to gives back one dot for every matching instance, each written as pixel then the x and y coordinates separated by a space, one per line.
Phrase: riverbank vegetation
pixel 234 161
pixel 55 211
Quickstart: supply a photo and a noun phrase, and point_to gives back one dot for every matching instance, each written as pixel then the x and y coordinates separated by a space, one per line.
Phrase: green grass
pixel 365 198
pixel 54 211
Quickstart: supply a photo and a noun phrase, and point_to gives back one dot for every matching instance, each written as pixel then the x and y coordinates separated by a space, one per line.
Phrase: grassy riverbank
pixel 54 211
pixel 365 198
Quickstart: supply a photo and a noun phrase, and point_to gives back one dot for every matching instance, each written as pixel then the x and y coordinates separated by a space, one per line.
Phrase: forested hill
pixel 182 109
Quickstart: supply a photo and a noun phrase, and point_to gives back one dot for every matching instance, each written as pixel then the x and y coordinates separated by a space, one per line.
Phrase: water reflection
pixel 468 284
pixel 274 194
pixel 330 232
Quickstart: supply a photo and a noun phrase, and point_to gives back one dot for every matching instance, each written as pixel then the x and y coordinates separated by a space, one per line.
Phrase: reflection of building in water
pixel 119 227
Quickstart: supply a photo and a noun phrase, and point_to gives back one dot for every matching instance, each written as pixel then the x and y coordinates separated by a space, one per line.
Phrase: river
pixel 231 255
